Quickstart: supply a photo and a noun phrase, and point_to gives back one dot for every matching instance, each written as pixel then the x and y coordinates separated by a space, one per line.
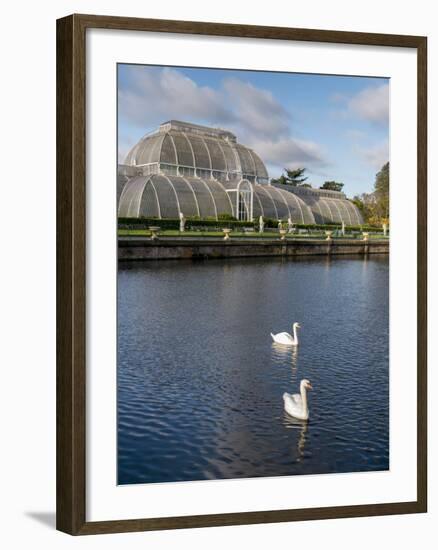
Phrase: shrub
pixel 226 216
pixel 196 223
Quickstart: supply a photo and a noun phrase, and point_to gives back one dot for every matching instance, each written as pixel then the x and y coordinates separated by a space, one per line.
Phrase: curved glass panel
pixel 345 214
pixel 334 210
pixel 205 198
pixel 216 154
pixel 183 149
pixel 257 207
pixel 221 197
pixel 131 197
pixel 300 211
pixel 230 156
pixel 310 202
pixel 246 160
pixel 266 202
pixel 202 160
pixel 168 151
pixel 121 182
pixel 149 151
pixel 327 213
pixel 149 207
pixel 186 198
pixel 130 158
pixel 356 216
pixel 166 196
pixel 260 167
pixel 317 212
pixel 284 207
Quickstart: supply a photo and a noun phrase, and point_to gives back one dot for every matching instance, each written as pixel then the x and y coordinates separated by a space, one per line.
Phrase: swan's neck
pixel 304 398
pixel 295 334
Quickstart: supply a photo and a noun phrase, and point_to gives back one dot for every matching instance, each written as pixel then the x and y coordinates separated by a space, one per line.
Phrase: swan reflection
pixel 281 353
pixel 300 426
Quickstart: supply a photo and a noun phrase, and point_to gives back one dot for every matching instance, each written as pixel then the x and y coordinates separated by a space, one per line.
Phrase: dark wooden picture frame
pixel 71 273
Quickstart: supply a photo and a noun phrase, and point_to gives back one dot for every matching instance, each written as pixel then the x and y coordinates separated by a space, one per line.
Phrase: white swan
pixel 285 339
pixel 296 405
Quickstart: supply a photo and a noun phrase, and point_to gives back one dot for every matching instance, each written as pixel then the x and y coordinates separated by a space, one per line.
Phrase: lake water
pixel 200 382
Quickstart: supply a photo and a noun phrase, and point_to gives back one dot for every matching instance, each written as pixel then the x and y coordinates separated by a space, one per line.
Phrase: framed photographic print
pixel 241 287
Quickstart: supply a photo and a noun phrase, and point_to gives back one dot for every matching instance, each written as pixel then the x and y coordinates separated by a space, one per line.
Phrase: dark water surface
pixel 200 383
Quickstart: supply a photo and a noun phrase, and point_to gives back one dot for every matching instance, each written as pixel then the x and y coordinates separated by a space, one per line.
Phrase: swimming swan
pixel 296 405
pixel 285 338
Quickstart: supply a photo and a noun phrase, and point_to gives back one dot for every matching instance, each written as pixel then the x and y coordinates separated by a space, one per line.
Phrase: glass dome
pixel 203 171
pixel 194 150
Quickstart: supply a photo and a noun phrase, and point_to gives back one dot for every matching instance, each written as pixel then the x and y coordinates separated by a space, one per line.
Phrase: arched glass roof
pixel 328 207
pixel 193 146
pixel 122 180
pixel 327 210
pixel 162 196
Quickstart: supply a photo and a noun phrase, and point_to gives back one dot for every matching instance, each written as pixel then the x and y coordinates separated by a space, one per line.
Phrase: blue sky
pixel 337 127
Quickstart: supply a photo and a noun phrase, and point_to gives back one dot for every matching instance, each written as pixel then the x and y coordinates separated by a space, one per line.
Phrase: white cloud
pixel 155 95
pixel 257 110
pixel 376 156
pixel 290 153
pixel 371 104
pixel 152 95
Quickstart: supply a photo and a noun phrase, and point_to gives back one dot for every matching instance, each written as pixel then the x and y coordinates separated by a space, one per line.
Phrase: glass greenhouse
pixel 202 171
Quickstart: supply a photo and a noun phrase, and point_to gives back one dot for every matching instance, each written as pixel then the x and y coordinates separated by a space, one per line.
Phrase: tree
pixel 365 203
pixel 292 177
pixel 374 206
pixel 381 190
pixel 332 185
pixel 282 180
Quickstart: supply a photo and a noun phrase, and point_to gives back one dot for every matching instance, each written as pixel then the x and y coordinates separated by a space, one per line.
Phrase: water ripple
pixel 200 382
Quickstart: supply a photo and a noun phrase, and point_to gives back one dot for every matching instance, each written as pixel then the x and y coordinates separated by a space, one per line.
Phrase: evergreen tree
pixel 332 185
pixel 292 177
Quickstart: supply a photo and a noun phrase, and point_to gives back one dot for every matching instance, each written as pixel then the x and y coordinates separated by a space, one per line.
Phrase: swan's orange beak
pixel 309 386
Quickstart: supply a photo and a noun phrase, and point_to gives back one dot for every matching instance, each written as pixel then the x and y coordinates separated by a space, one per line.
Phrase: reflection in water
pixel 210 405
pixel 284 355
pixel 299 427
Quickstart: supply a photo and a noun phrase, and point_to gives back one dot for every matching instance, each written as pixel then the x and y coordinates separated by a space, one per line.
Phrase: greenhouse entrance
pixel 244 206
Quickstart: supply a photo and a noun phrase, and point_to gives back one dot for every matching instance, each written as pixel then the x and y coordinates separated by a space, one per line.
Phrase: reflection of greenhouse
pixel 204 172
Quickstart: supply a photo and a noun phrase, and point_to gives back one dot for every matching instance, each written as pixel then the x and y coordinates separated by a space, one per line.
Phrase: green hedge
pixel 269 222
pixel 196 223
pixel 173 223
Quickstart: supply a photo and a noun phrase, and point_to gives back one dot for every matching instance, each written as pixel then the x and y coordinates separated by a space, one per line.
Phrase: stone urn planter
pixel 282 234
pixel 154 229
pixel 365 236
pixel 329 235
pixel 227 232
